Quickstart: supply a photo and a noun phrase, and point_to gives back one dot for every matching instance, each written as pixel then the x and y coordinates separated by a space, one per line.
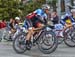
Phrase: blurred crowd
pixel 54 18
pixel 2 23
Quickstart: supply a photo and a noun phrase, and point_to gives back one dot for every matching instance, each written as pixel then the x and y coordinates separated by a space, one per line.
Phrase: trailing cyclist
pixel 68 19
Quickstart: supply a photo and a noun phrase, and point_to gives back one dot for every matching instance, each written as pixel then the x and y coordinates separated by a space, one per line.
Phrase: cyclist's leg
pixel 67 26
pixel 30 32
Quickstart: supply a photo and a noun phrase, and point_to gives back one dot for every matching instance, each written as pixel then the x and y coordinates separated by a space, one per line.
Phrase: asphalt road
pixel 6 50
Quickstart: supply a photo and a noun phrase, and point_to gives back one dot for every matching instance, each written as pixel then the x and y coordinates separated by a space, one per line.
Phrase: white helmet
pixel 17 18
pixel 72 10
pixel 45 6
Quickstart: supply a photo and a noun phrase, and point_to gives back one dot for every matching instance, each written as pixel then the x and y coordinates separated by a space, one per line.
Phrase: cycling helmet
pixel 45 6
pixel 72 10
pixel 17 18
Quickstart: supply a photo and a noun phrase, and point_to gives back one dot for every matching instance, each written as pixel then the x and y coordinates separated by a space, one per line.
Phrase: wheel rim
pixel 20 43
pixel 68 39
pixel 73 36
pixel 47 41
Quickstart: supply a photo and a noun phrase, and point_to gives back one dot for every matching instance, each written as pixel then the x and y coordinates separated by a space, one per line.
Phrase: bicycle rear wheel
pixel 69 38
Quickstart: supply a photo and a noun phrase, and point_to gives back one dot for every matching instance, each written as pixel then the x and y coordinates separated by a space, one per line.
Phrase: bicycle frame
pixel 37 36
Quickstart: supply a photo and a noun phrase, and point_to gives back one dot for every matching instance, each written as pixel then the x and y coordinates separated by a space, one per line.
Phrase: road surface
pixel 6 50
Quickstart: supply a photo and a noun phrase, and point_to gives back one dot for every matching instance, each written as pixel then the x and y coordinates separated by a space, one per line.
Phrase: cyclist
pixel 67 18
pixel 17 21
pixel 11 24
pixel 14 25
pixel 36 19
pixel 68 23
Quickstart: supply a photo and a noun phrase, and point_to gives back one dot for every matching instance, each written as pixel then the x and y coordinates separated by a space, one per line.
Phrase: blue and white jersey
pixel 41 13
pixel 65 17
pixel 34 17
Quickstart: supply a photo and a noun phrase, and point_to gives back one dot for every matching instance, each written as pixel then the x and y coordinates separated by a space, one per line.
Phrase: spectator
pixel 3 24
pixel 12 23
pixel 55 18
pixel 0 24
pixel 12 26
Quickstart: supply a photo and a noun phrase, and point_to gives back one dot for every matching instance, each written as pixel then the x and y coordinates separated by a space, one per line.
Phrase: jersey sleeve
pixel 45 16
pixel 38 12
pixel 35 11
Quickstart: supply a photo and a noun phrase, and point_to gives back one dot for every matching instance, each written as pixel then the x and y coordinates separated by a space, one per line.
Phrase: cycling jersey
pixel 68 21
pixel 65 18
pixel 39 12
pixel 36 16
